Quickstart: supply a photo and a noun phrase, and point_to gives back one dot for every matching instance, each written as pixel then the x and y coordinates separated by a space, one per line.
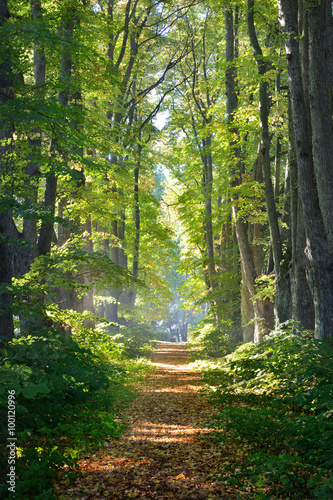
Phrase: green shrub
pixel 66 393
pixel 209 340
pixel 135 339
pixel 278 398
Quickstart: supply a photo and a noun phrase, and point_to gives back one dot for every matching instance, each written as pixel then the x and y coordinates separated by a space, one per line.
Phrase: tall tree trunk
pixel 262 316
pixel 319 250
pixel 247 313
pixel 88 298
pixel 135 272
pixel 47 228
pixel 283 302
pixel 6 274
pixel 6 165
pixel 112 250
pixel 207 182
pixel 35 141
pixel 265 141
pixel 47 231
pixel 129 43
pixel 321 104
pixel 137 220
pixel 301 298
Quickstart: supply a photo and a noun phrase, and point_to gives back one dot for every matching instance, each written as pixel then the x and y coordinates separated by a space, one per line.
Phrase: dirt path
pixel 164 453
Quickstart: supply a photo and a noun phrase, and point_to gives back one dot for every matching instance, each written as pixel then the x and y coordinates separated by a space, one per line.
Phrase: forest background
pixel 164 166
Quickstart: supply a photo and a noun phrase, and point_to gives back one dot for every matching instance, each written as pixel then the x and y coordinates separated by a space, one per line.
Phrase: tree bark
pixel 319 250
pixel 321 104
pixel 88 298
pixel 137 221
pixel 6 274
pixel 6 166
pixel 262 310
pixel 301 298
pixel 265 141
pixel 46 230
pixel 247 314
pixel 35 141
pixel 283 302
pixel 207 183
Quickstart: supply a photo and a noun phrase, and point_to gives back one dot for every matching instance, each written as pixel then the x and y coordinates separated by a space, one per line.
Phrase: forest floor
pixel 165 451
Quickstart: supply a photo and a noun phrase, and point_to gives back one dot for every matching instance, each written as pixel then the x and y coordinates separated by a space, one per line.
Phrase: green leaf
pixel 30 390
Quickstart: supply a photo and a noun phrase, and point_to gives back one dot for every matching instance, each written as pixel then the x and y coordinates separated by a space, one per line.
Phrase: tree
pixel 7 230
pixel 313 129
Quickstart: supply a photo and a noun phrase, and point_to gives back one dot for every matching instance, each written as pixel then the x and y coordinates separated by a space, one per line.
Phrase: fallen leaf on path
pixel 168 421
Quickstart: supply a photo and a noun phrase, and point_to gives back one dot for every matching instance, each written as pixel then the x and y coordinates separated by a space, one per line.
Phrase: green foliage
pixel 135 339
pixel 277 397
pixel 37 467
pixel 209 340
pixel 98 340
pixel 266 287
pixel 250 200
pixel 63 267
pixel 294 367
pixel 68 391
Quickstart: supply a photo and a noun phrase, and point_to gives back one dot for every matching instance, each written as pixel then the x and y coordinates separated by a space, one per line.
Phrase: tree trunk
pixel 319 251
pixel 261 310
pixel 207 183
pixel 283 302
pixel 247 314
pixel 88 298
pixel 35 141
pixel 112 250
pixel 6 147
pixel 301 298
pixel 135 268
pixel 6 273
pixel 265 141
pixel 321 104
pixel 46 231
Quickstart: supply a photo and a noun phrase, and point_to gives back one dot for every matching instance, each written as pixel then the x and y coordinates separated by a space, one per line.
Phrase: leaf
pixel 30 390
pixel 43 388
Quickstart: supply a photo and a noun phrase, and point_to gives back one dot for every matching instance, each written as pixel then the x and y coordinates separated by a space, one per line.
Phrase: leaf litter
pixel 165 453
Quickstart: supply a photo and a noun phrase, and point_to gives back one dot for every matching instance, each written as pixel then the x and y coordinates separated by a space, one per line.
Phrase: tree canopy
pixel 84 164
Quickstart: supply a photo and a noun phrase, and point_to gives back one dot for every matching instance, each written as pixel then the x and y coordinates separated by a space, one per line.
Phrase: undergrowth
pixel 211 341
pixel 275 402
pixel 69 395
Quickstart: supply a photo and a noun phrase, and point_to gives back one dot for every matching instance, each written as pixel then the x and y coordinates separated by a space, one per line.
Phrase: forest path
pixel 164 453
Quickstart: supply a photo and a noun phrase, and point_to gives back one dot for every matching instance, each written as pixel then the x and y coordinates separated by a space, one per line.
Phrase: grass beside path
pixel 165 452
